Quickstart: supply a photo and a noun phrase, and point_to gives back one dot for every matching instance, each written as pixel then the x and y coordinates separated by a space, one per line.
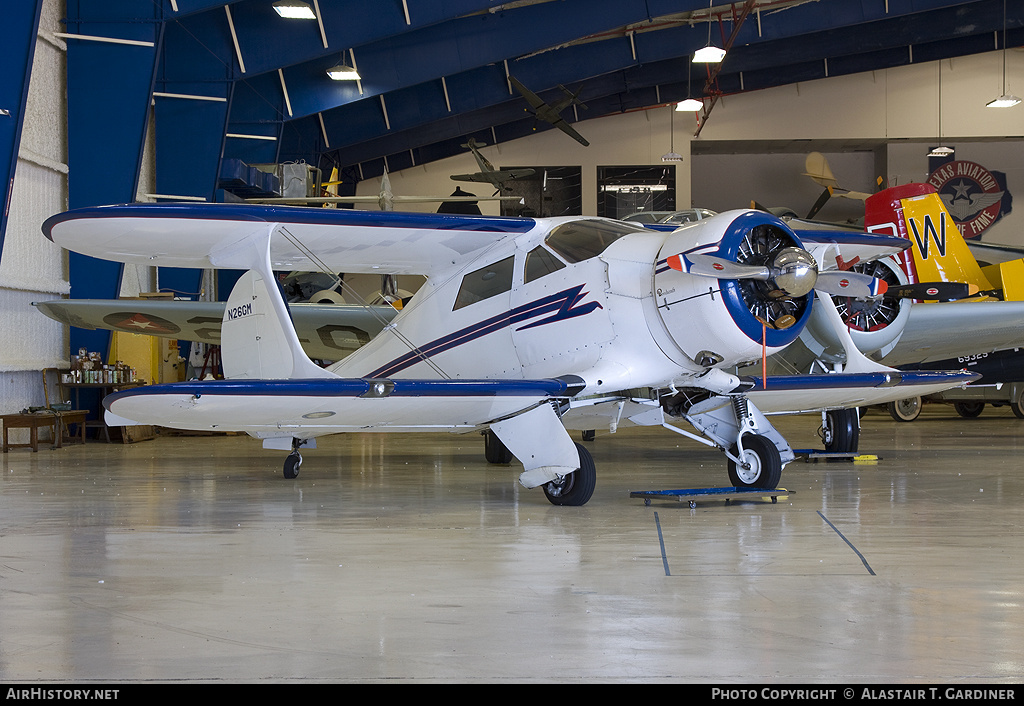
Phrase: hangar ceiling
pixel 243 79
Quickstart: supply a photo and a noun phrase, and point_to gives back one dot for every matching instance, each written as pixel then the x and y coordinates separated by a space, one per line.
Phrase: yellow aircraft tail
pixel 938 251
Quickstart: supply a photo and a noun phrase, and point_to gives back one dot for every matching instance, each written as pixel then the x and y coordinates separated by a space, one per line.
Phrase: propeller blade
pixel 941 291
pixel 822 200
pixel 850 284
pixel 712 266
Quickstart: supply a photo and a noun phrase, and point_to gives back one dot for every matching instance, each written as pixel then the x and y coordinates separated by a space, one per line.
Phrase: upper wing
pixel 854 246
pixel 326 331
pixel 945 330
pixel 304 239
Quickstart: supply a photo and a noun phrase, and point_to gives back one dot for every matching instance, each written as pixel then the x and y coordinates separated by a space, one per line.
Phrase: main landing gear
pixel 575 488
pixel 762 463
pixel 572 489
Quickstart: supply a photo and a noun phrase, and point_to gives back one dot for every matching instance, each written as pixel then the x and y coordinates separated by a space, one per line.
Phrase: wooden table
pixel 57 422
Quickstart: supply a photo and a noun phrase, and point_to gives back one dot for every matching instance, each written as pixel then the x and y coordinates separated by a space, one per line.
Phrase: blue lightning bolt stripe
pixel 561 306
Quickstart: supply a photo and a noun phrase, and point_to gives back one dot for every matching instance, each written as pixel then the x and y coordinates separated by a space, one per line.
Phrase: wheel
pixel 764 460
pixel 841 433
pixel 1018 409
pixel 291 465
pixel 969 410
pixel 494 450
pixel 577 487
pixel 589 435
pixel 906 410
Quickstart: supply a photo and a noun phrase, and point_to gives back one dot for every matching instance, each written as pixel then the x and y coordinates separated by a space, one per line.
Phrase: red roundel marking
pixel 844 283
pixel 718 266
pixel 932 290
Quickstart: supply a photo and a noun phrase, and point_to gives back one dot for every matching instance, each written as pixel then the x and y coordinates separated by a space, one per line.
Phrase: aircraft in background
pixel 525 328
pixel 940 253
pixel 552 113
pixel 385 200
pixel 487 173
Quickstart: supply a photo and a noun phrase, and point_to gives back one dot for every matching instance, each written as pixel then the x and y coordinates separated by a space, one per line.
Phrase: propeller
pixel 940 291
pixel 792 270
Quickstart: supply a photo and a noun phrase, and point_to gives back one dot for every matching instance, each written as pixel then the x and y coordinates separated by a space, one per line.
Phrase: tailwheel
pixel 291 465
pixel 574 488
pixel 762 464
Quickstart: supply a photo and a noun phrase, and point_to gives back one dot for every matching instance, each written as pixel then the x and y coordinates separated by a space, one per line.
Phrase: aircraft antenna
pixel 313 258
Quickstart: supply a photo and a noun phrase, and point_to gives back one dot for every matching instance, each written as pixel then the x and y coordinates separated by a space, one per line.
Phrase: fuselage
pixel 573 296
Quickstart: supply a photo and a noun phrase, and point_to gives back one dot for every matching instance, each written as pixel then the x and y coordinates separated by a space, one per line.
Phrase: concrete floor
pixel 408 558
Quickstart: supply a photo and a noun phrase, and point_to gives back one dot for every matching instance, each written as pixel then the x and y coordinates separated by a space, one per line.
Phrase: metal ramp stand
pixel 691 494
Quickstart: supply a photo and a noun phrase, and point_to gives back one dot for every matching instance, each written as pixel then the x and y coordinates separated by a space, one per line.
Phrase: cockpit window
pixel 540 262
pixel 580 240
pixel 485 283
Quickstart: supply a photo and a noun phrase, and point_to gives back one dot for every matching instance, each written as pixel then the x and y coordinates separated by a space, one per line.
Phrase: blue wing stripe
pixel 351 387
pixel 849 380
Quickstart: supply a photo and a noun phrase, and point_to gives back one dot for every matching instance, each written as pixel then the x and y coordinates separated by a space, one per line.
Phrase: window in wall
pixel 624 191
pixel 550 191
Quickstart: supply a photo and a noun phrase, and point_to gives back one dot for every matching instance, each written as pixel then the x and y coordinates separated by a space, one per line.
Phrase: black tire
pixel 576 488
pixel 766 464
pixel 1017 409
pixel 589 435
pixel 969 410
pixel 905 410
pixel 495 450
pixel 291 465
pixel 842 432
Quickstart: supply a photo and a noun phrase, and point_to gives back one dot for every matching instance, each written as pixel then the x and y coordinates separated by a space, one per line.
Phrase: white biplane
pixel 525 328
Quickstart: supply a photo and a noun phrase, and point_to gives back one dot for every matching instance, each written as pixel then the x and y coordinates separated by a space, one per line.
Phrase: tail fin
pixel 938 251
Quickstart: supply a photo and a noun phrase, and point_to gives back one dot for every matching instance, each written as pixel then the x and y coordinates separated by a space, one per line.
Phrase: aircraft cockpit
pixel 576 241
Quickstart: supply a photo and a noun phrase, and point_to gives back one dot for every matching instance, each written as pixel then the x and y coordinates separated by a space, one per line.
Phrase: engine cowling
pixel 875 325
pixel 723 321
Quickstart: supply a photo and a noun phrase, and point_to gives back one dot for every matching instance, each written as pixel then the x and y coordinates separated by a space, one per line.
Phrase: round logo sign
pixel 141 323
pixel 972 195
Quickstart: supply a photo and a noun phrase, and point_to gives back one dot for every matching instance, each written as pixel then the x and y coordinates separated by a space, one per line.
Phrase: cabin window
pixel 540 262
pixel 581 240
pixel 485 283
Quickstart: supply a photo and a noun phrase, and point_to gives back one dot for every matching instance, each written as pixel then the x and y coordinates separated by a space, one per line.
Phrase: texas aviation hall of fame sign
pixel 974 196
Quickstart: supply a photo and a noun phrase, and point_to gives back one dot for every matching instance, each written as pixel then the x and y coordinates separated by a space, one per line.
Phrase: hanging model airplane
pixel 552 113
pixel 524 328
pixel 487 173
pixel 385 200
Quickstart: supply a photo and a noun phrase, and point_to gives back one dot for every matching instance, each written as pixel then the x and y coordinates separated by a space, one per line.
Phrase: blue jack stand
pixel 691 494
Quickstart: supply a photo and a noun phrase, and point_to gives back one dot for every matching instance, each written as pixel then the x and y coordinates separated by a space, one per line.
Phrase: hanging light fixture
pixel 710 54
pixel 940 151
pixel 671 155
pixel 1006 100
pixel 294 10
pixel 691 104
pixel 343 72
